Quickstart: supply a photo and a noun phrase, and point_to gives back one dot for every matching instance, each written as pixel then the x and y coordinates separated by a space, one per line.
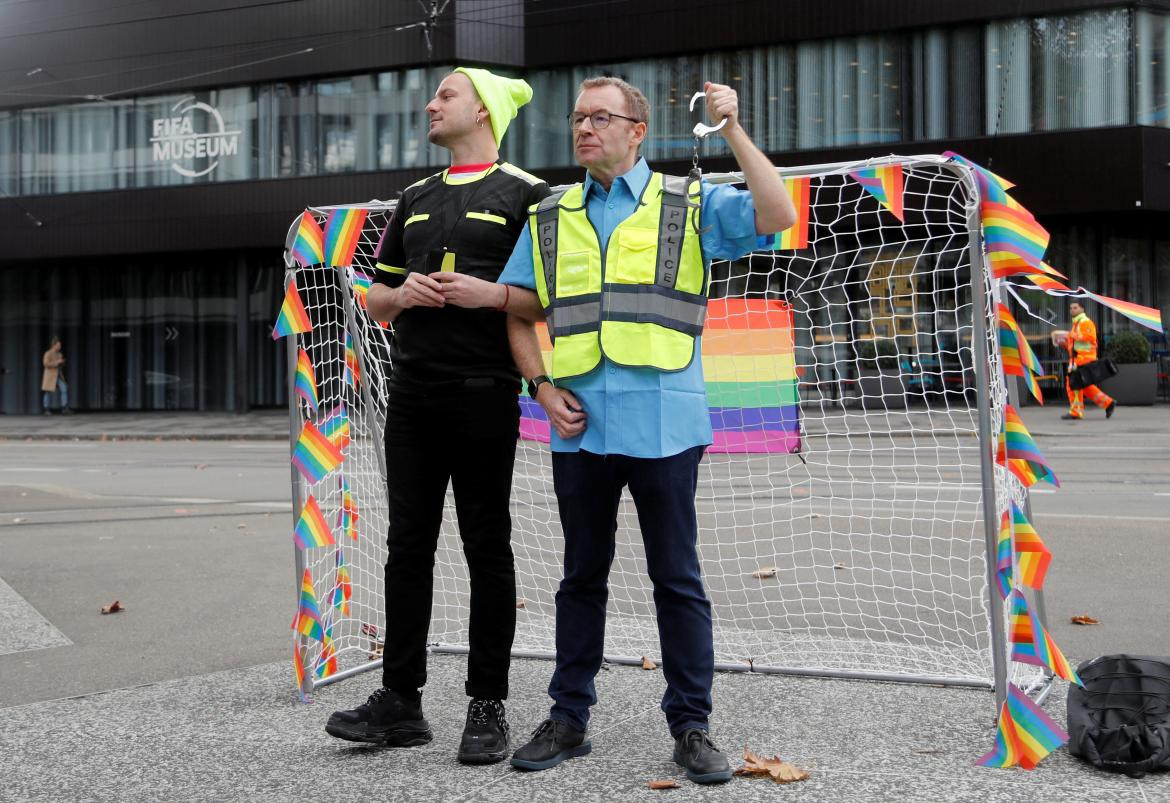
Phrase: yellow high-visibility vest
pixel 641 302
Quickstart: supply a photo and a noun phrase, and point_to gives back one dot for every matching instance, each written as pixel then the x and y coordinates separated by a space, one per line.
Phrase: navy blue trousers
pixel 588 488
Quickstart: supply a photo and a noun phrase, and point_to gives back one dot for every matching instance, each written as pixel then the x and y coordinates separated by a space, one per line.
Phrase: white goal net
pixel 842 525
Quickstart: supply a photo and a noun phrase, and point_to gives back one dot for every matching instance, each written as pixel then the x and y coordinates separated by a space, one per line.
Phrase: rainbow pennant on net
pixel 885 184
pixel 1025 734
pixel 1046 282
pixel 991 187
pixel 1032 556
pixel 1003 556
pixel 353 371
pixel 327 660
pixel 347 515
pixel 292 318
pixel 315 456
pixel 1015 242
pixel 1146 316
pixel 796 236
pixel 308 618
pixel 361 286
pixel 308 246
pixel 343 229
pixel 1031 642
pixel 1019 454
pixel 312 530
pixel 306 381
pixel 343 588
pixel 1018 357
pixel 299 670
pixel 335 426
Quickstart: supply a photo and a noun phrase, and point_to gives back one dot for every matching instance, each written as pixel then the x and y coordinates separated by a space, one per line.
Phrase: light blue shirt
pixel 642 412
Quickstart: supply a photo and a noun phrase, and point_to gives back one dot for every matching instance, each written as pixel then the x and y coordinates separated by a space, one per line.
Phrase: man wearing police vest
pixel 620 269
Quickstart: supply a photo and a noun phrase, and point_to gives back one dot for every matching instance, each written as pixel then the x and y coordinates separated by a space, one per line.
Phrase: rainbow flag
pixel 335 426
pixel 1018 357
pixel 311 529
pixel 1019 454
pixel 1146 316
pixel 1032 555
pixel 353 371
pixel 1025 734
pixel 343 588
pixel 795 237
pixel 750 370
pixel 991 187
pixel 1031 642
pixel 1015 242
pixel 1003 556
pixel 306 381
pixel 327 660
pixel 885 184
pixel 308 619
pixel 343 229
pixel 308 247
pixel 292 318
pixel 1045 282
pixel 361 286
pixel 315 454
pixel 299 669
pixel 347 514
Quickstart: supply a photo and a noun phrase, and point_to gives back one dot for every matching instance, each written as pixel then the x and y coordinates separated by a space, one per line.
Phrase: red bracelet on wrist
pixel 507 295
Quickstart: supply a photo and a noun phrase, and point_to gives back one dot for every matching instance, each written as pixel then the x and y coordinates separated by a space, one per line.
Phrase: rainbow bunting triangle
pixel 885 184
pixel 796 236
pixel 1025 734
pixel 361 286
pixel 1146 316
pixel 308 245
pixel 1019 454
pixel 306 381
pixel 347 515
pixel 315 455
pixel 991 187
pixel 292 318
pixel 311 529
pixel 1032 556
pixel 299 670
pixel 343 588
pixel 308 619
pixel 1003 556
pixel 1015 242
pixel 343 229
pixel 1046 282
pixel 1031 642
pixel 353 371
pixel 1018 357
pixel 327 660
pixel 335 426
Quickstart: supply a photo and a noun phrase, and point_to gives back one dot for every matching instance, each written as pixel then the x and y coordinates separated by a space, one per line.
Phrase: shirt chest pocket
pixel 636 259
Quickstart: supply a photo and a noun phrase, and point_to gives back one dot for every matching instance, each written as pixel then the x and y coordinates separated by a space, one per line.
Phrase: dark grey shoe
pixel 387 718
pixel 698 755
pixel 1109 409
pixel 551 743
pixel 485 736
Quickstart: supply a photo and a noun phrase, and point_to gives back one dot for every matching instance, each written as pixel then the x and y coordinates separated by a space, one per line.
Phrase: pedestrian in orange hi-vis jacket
pixel 1081 342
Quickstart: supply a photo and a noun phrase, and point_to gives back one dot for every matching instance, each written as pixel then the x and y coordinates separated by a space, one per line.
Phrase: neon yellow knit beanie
pixel 502 97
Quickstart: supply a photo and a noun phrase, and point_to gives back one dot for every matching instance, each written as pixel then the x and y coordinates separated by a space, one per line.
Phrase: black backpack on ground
pixel 1120 720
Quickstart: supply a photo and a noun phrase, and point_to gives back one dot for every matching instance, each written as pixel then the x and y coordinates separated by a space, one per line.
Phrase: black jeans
pixel 588 488
pixel 467 438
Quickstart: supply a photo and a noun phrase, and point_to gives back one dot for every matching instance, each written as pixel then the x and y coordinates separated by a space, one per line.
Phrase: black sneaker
pixel 485 736
pixel 1070 417
pixel 386 718
pixel 1109 410
pixel 695 752
pixel 551 743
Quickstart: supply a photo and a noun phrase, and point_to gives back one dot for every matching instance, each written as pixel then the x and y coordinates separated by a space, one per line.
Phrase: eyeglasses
pixel 598 120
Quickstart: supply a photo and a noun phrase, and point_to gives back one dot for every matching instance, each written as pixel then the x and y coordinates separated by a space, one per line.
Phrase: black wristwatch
pixel 535 383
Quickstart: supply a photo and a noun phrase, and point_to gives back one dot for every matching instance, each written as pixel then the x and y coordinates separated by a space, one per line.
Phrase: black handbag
pixel 1120 720
pixel 1091 373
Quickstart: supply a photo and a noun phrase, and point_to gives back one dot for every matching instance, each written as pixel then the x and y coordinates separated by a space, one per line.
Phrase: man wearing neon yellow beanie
pixel 452 412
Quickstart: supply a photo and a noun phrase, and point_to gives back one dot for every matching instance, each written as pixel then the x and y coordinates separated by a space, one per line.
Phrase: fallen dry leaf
pixel 775 768
pixel 763 574
pixel 1085 620
pixel 113 607
pixel 647 664
pixel 519 603
pixel 662 784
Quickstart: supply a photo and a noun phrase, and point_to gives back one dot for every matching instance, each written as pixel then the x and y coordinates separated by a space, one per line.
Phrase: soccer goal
pixel 849 506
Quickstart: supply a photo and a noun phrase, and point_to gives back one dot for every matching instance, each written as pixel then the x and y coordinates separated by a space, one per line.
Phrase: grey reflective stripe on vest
pixel 573 315
pixel 672 226
pixel 547 215
pixel 647 303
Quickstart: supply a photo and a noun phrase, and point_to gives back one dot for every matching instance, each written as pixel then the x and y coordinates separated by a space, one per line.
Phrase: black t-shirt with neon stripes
pixel 477 218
